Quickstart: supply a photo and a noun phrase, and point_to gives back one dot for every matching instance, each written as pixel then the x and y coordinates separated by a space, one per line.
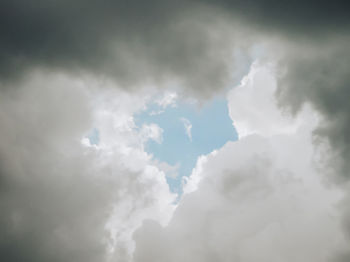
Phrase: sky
pixel 146 131
pixel 188 131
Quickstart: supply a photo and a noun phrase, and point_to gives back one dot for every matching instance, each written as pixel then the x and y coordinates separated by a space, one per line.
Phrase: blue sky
pixel 211 129
pixel 94 136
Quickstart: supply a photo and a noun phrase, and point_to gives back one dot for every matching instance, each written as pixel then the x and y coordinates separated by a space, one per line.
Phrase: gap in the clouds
pixel 94 136
pixel 188 132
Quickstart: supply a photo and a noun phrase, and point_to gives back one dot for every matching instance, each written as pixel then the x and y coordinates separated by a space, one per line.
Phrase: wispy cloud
pixel 188 127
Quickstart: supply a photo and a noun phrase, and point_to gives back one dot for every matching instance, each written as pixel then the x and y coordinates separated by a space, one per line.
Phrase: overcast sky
pixel 161 131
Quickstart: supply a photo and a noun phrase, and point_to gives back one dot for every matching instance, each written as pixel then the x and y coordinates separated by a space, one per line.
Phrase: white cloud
pixel 66 200
pixel 169 170
pixel 168 99
pixel 253 106
pixel 255 200
pixel 258 199
pixel 152 131
pixel 188 127
pixel 190 184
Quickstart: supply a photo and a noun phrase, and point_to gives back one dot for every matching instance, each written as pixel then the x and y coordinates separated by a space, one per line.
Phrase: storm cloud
pixel 155 41
pixel 67 67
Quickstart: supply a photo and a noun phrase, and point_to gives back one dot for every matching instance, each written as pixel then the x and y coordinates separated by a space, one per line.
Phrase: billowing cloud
pixel 60 199
pixel 253 106
pixel 319 75
pixel 156 43
pixel 258 199
pixel 199 46
pixel 69 68
pixel 252 204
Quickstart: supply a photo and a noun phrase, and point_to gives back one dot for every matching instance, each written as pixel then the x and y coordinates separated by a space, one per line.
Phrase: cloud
pixel 201 50
pixel 152 131
pixel 310 17
pixel 255 202
pixel 253 107
pixel 188 126
pixel 258 199
pixel 168 99
pixel 134 43
pixel 319 75
pixel 85 50
pixel 60 199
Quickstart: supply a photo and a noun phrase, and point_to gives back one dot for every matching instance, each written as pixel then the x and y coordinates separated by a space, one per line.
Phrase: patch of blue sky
pixel 94 136
pixel 211 128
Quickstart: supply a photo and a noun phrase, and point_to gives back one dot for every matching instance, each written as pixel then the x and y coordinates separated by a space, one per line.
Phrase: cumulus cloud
pixel 60 199
pixel 319 75
pixel 258 199
pixel 253 107
pixel 61 69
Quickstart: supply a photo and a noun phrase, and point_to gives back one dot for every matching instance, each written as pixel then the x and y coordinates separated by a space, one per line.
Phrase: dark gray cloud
pixel 131 41
pixel 155 41
pixel 291 17
pixel 73 34
pixel 46 202
pixel 318 73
